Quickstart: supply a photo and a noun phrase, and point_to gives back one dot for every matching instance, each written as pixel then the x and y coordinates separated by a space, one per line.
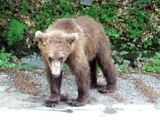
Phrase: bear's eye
pixel 50 59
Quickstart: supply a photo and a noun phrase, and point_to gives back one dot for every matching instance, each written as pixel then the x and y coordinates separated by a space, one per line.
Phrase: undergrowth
pixel 16 31
pixel 131 25
pixel 154 65
pixel 6 60
pixel 9 61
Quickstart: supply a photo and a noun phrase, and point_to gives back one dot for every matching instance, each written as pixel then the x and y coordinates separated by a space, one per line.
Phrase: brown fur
pixel 90 48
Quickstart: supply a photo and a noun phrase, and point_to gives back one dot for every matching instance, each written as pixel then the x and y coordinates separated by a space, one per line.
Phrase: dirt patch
pixel 157 75
pixel 147 91
pixel 25 85
pixel 123 76
pixel 116 96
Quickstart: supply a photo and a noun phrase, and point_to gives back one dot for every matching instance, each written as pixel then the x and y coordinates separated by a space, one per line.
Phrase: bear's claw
pixel 49 103
pixel 75 103
pixel 107 89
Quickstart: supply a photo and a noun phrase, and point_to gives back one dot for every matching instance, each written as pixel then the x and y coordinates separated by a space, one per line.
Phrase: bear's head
pixel 55 47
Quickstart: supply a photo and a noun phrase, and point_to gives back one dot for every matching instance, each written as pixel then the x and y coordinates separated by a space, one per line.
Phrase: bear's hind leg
pixel 105 62
pixel 55 84
pixel 93 73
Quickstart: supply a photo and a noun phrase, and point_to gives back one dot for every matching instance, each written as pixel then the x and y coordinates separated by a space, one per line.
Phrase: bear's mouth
pixel 55 76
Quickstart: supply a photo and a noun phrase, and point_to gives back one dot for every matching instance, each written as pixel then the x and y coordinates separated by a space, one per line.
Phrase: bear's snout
pixel 56 68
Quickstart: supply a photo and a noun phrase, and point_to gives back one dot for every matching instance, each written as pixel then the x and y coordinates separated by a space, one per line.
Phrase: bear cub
pixel 82 44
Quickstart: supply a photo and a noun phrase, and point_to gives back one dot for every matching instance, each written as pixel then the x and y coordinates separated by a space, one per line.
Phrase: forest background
pixel 132 25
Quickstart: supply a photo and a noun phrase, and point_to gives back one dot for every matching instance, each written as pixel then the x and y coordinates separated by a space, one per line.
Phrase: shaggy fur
pixel 84 44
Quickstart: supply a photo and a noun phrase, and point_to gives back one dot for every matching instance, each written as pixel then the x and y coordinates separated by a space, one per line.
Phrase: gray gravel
pixel 126 93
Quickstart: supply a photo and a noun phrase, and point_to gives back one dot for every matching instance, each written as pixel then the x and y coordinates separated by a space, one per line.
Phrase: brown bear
pixel 82 44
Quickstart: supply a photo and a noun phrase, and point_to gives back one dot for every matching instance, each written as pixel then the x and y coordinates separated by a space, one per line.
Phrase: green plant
pixel 109 12
pixel 92 11
pixel 16 31
pixel 44 17
pixel 131 25
pixel 6 60
pixel 52 11
pixel 25 7
pixel 154 65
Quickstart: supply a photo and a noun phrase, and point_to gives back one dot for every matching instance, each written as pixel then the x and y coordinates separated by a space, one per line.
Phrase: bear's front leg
pixel 55 84
pixel 83 83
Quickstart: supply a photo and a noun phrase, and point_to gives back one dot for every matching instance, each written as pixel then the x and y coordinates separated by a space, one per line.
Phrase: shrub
pixel 131 25
pixel 6 60
pixel 16 32
pixel 153 65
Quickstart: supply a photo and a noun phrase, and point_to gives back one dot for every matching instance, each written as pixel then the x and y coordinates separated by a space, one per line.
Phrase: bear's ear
pixel 41 37
pixel 72 37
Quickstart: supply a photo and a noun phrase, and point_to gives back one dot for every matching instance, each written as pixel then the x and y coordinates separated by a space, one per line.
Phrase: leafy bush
pixel 6 60
pixel 16 31
pixel 52 11
pixel 44 17
pixel 154 65
pixel 131 25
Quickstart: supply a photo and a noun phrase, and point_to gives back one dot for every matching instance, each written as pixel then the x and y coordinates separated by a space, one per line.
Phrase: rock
pixel 124 53
pixel 86 2
pixel 33 59
pixel 132 56
pixel 117 57
pixel 126 62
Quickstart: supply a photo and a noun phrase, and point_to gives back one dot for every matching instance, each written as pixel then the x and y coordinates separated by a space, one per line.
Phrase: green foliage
pixel 109 12
pixel 24 7
pixel 131 26
pixel 53 11
pixel 6 60
pixel 44 17
pixel 16 31
pixel 92 11
pixel 154 65
pixel 136 23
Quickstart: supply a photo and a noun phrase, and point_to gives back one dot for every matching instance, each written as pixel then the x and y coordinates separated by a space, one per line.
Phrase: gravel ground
pixel 28 90
pixel 22 94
